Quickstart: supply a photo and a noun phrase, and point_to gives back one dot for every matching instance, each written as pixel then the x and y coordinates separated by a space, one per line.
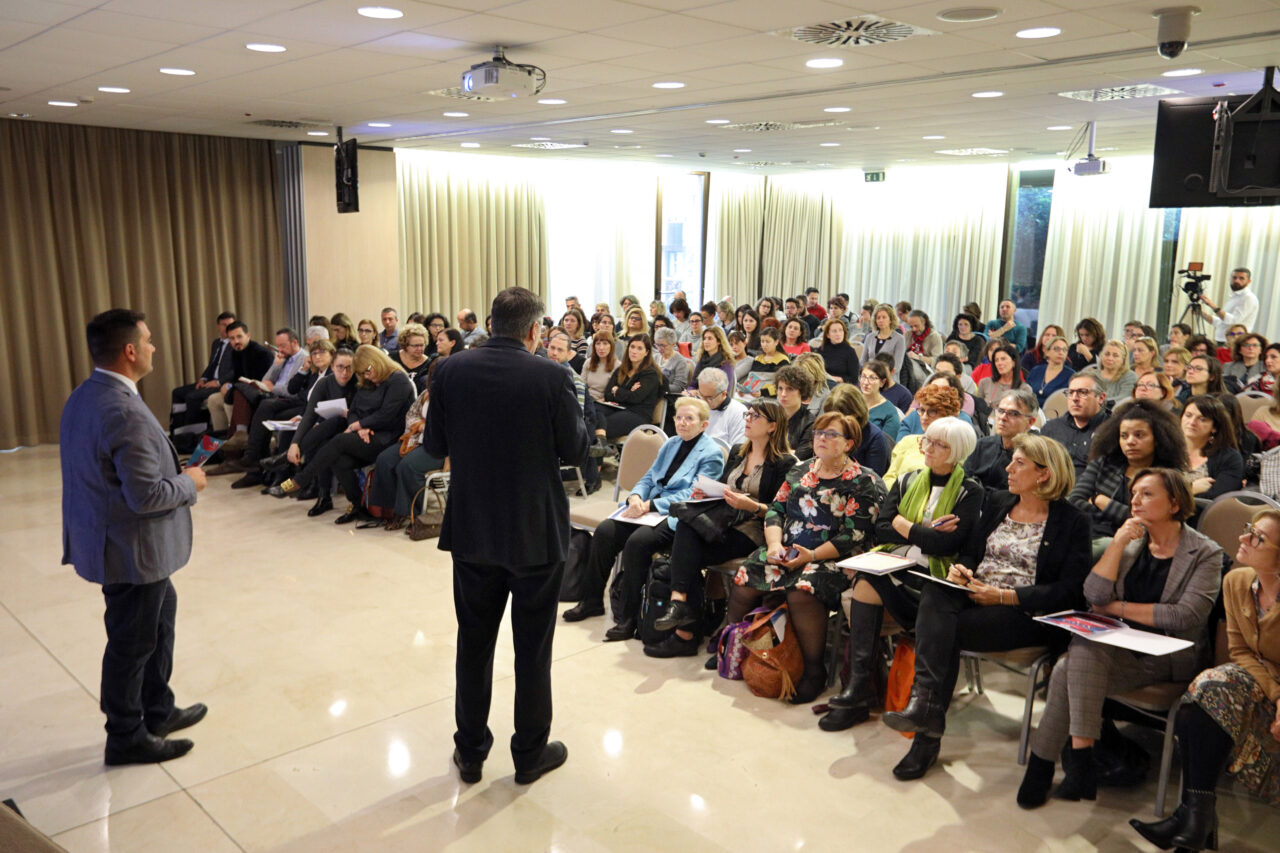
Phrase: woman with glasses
pixel 1113 364
pixel 1246 363
pixel 1157 574
pixel 926 517
pixel 366 333
pixel 1227 353
pixel 1028 556
pixel 1229 718
pixel 876 447
pixel 1204 376
pixel 435 323
pixel 1054 374
pixel 756 470
pixel 1157 388
pixel 962 330
pixel 932 402
pixel 1214 465
pixel 884 414
pixel 825 511
pixel 634 324
pixel 411 349
pixel 1038 355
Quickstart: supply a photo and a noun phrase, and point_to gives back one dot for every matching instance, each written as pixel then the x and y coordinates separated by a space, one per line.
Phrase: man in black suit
pixel 187 412
pixel 506 420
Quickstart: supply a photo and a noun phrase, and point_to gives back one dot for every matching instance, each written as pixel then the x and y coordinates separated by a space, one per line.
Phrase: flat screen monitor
pixel 1186 133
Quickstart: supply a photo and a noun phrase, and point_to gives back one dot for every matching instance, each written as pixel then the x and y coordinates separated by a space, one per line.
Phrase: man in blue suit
pixel 126 525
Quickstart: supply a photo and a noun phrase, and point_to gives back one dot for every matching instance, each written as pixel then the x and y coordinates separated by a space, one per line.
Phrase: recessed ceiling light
pixel 63 104
pixel 383 12
pixel 621 130
pixel 825 62
pixel 836 110
pixel 317 133
pixel 1182 72
pixel 668 84
pixel 664 155
pixel 114 90
pixel 1039 33
pixel 828 144
pixel 742 151
pixel 379 124
pixel 933 137
pixel 539 138
pixel 455 114
pixel 991 94
pixel 471 145
pixel 552 102
pixel 1058 127
pixel 717 121
pixel 261 47
pixel 178 72
pixel 968 14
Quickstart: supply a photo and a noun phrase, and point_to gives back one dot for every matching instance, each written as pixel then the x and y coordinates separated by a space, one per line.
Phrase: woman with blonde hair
pixel 1113 366
pixel 885 337
pixel 374 420
pixel 1145 352
pixel 411 353
pixel 634 323
pixel 716 352
pixel 1157 387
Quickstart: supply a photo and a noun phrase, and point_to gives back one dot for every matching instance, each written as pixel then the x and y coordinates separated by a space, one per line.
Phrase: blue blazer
pixel 125 516
pixel 706 458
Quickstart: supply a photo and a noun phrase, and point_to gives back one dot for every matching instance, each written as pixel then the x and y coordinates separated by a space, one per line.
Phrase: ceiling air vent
pixel 857 32
pixel 770 126
pixel 457 94
pixel 290 124
pixel 550 146
pixel 1119 93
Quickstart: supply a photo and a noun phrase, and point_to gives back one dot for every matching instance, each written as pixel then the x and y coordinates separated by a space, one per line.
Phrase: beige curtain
pixel 803 242
pixel 736 221
pixel 1226 238
pixel 1102 257
pixel 179 227
pixel 468 229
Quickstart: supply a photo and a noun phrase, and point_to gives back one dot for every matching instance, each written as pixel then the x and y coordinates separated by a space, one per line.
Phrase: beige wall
pixel 353 259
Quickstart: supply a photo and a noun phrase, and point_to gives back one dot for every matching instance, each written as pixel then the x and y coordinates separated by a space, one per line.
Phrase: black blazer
pixel 641 401
pixel 506 420
pixel 771 478
pixel 1226 467
pixel 800 432
pixel 935 543
pixel 214 369
pixel 1062 562
pixel 382 408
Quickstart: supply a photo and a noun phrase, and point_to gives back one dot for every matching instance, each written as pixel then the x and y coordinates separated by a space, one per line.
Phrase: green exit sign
pixel 873 177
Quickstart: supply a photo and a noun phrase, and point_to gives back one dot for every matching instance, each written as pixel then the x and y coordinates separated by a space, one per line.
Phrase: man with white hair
pixel 728 421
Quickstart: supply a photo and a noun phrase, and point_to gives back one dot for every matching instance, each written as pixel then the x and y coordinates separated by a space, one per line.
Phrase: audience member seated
pixel 1138 435
pixel 468 326
pixel 1266 381
pixel 1246 365
pixel 389 337
pixel 1199 345
pixel 1004 374
pixel 1265 423
pixel 963 329
pixel 932 402
pixel 633 324
pixel 678 309
pixel 1113 366
pixel 911 423
pixel 741 358
pixel 927 516
pixel 886 338
pixel 1027 557
pixel 841 360
pixel 1214 465
pixel 824 512
pixel 575 324
pixel 765 365
pixel 727 418
pixel 748 323
pixel 600 366
pixel 715 352
pixel 924 344
pixel 401 468
pixel 1174 363
pixel 1054 374
pixel 342 332
pixel 366 333
pixel 1178 334
pixel 755 471
pixel 876 447
pixel 374 420
pixel 411 352
pixel 795 389
pixel 1086 410
pixel 188 402
pixel 1229 718
pixel 1145 356
pixel 885 415
pixel 1036 356
pixel 249 360
pixel 894 391
pixel 1226 353
pixel 952 365
pixel 983 370
pixel 1090 338
pixel 450 341
pixel 1007 328
pixel 795 336
pixel 684 457
pixel 1157 574
pixel 676 369
pixel 1157 388
pixel 1013 416
pixel 813 364
pixel 634 389
pixel 1204 376
pixel 314 430
pixel 1246 442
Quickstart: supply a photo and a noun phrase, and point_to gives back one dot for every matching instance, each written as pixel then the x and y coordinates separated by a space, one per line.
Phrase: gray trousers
pixel 1081 682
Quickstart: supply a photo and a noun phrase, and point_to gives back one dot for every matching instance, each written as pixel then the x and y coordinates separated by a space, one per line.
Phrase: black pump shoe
pixel 323 504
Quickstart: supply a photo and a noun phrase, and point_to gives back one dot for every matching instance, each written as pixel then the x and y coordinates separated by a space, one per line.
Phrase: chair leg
pixel 1166 761
pixel 1033 684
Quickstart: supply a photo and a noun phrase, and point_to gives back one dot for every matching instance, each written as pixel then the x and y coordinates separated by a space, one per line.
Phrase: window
pixel 1027 235
pixel 682 245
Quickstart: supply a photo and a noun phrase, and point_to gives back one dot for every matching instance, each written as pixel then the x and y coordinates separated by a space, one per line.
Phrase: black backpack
pixel 573 585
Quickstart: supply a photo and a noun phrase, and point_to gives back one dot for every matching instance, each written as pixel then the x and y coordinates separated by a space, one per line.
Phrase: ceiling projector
pixel 500 79
pixel 1090 166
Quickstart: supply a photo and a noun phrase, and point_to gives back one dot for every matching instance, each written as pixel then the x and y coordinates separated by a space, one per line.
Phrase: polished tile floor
pixel 325 655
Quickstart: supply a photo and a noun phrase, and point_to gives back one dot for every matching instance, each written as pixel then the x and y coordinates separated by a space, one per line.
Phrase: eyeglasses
pixel 926 412
pixel 1149 386
pixel 927 443
pixel 1010 413
pixel 1196 367
pixel 829 434
pixel 1256 538
pixel 1080 392
pixel 1234 334
pixel 1250 344
pixel 754 414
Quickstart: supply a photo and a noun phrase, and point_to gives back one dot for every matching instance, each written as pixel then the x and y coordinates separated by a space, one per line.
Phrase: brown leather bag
pixel 428 523
pixel 772 668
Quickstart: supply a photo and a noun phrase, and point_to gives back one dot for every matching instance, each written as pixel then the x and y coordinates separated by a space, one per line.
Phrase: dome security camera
pixel 1174 30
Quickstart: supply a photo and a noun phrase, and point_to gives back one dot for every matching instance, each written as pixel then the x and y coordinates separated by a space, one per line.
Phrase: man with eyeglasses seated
pixel 728 416
pixel 1012 416
pixel 1086 409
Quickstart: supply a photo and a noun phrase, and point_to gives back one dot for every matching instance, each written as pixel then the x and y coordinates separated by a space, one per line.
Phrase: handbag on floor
pixel 730 652
pixel 427 523
pixel 774 663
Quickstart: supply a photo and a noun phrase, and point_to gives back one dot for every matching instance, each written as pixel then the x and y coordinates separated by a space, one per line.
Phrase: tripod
pixel 1193 316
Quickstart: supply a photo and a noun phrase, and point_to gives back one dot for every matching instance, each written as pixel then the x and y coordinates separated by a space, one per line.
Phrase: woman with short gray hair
pixel 676 369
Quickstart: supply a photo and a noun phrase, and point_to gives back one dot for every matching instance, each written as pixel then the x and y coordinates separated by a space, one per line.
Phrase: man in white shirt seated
pixel 728 416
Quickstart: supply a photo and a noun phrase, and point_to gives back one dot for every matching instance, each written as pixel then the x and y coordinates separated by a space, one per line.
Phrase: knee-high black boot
pixel 853 705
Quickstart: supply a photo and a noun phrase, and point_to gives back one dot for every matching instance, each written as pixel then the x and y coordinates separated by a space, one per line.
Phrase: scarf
pixel 911 507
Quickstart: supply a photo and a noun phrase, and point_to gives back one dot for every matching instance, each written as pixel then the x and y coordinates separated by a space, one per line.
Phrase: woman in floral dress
pixel 824 512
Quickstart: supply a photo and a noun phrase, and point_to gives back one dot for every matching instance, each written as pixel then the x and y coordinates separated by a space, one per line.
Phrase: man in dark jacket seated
pixel 1014 413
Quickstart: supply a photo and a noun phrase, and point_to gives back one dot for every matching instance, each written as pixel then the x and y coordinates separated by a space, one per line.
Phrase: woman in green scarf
pixel 926 517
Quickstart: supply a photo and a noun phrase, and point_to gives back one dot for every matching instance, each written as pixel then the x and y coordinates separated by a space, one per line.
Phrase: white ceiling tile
pixel 767 15
pixel 422 44
pixel 113 24
pixel 12 32
pixel 487 31
pixel 579 17
pixel 47 13
pixel 590 46
pixel 336 22
pixel 676 31
pixel 224 13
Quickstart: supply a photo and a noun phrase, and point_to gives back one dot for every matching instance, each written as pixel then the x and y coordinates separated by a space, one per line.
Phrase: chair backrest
pixel 724 447
pixel 1226 517
pixel 1056 405
pixel 857 349
pixel 641 448
pixel 660 411
pixel 1251 402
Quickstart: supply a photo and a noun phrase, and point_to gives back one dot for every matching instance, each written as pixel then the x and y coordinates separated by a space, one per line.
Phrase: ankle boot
pixel 1036 781
pixel 1200 828
pixel 922 755
pixel 323 504
pixel 853 704
pixel 1078 781
pixel 924 714
pixel 1161 832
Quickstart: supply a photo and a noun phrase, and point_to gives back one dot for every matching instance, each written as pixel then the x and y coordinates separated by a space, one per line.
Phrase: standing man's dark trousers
pixel 139 658
pixel 479 598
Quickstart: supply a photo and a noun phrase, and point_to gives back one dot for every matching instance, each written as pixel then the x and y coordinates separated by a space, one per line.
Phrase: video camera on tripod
pixel 1194 285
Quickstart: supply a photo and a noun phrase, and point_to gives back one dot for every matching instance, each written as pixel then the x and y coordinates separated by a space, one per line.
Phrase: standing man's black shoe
pixel 148 749
pixel 468 771
pixel 553 755
pixel 583 610
pixel 181 718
